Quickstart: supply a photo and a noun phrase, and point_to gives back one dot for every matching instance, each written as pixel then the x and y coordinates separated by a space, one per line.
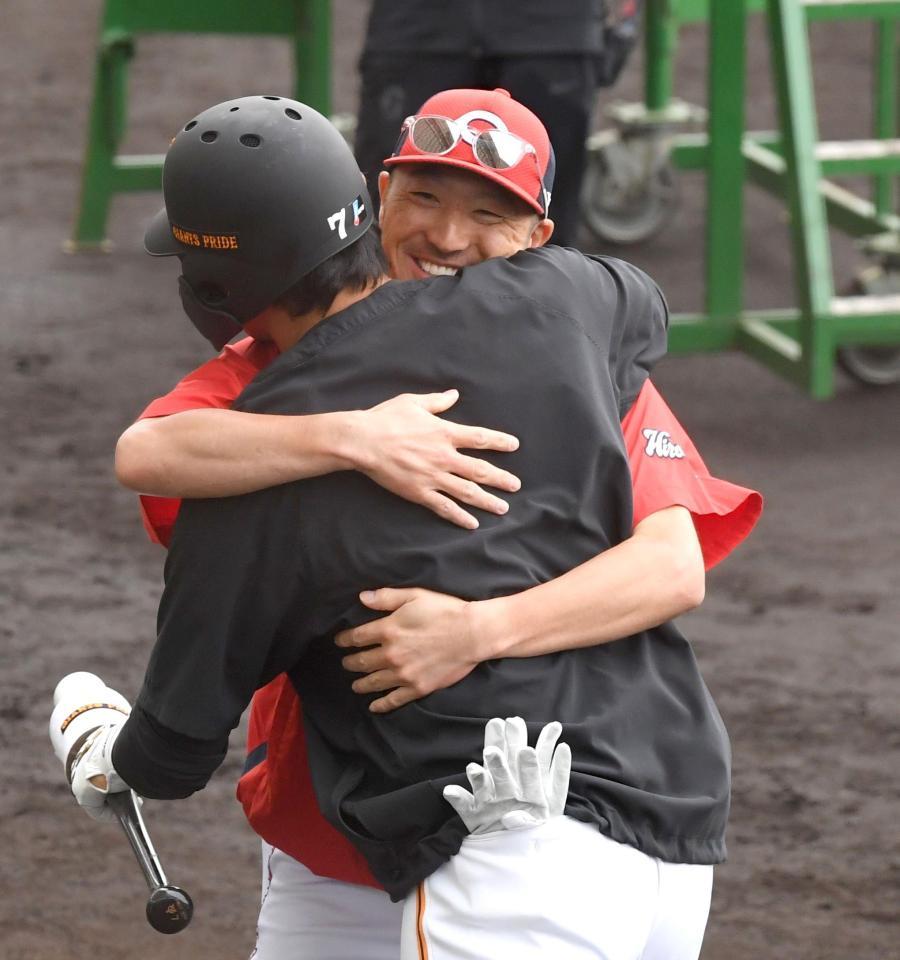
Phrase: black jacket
pixel 550 346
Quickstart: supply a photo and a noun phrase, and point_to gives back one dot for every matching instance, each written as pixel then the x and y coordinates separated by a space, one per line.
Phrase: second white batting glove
pixel 518 786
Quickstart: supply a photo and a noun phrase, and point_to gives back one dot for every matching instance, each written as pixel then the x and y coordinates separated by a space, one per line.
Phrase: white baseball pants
pixel 558 891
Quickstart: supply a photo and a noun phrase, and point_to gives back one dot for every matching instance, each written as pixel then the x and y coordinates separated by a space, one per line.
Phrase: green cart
pixel 631 188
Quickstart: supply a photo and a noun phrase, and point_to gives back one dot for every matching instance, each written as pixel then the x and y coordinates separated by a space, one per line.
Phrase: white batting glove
pixel 518 786
pixel 93 775
pixel 87 717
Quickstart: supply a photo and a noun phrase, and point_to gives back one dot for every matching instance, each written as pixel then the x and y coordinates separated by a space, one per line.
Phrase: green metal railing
pixel 799 343
pixel 306 23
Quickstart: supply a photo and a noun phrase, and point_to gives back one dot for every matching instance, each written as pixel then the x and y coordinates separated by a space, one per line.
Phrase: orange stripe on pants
pixel 420 922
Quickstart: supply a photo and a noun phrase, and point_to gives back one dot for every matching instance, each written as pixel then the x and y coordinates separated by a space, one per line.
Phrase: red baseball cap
pixel 531 178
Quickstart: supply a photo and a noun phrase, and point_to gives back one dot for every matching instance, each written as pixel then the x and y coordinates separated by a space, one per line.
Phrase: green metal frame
pixel 798 343
pixel 306 23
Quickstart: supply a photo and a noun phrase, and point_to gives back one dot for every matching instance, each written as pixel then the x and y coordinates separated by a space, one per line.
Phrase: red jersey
pixel 215 383
pixel 276 788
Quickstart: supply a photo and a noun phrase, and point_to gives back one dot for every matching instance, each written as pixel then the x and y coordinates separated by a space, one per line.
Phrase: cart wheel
pixel 873 366
pixel 630 188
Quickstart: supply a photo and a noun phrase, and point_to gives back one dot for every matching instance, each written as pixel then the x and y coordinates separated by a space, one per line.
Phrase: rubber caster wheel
pixel 630 189
pixel 873 366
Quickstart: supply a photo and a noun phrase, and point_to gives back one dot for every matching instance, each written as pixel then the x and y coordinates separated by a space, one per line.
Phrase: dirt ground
pixel 798 638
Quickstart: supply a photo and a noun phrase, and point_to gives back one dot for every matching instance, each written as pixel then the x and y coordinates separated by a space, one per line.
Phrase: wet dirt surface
pixel 798 638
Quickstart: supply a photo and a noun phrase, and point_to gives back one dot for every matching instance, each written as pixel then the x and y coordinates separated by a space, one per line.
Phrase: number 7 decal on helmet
pixel 338 221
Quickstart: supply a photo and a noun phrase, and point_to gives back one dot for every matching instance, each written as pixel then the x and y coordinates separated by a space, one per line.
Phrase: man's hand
pixel 518 786
pixel 426 644
pixel 404 447
pixel 93 775
pixel 87 717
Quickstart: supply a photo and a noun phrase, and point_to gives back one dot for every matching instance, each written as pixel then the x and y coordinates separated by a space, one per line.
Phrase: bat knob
pixel 169 909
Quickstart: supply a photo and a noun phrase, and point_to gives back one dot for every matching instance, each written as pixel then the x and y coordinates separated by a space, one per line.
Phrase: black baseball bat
pixel 169 909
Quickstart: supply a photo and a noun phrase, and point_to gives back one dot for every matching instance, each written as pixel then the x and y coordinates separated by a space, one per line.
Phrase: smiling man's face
pixel 437 219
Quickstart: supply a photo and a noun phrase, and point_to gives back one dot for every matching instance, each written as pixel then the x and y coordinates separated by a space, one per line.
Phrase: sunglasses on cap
pixel 494 149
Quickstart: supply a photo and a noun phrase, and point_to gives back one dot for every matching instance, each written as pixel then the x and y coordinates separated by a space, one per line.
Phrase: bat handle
pixel 169 909
pixel 128 813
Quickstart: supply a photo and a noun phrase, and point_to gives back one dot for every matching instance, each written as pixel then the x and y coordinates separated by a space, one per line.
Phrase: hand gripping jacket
pixel 258 192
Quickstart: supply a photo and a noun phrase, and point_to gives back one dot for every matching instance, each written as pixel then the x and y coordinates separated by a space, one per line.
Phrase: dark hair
pixel 353 268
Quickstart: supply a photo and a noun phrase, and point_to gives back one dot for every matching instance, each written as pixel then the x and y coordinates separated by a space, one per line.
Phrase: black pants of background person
pixel 559 89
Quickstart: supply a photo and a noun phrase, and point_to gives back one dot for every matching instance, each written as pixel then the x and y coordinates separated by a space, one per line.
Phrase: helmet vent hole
pixel 234 109
pixel 292 114
pixel 208 136
pixel 251 140
pixel 271 98
pixel 191 125
pixel 211 294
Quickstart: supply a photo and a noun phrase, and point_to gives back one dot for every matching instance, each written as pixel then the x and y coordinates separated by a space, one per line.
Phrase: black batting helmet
pixel 258 191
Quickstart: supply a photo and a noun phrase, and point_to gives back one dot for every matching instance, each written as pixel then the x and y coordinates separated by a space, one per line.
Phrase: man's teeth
pixel 438 270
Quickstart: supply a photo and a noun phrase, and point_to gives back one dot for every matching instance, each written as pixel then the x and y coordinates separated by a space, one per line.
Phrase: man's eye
pixel 488 216
pixel 424 196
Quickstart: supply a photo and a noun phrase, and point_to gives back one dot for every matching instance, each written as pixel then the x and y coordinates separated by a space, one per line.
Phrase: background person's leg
pixel 562 91
pixel 393 88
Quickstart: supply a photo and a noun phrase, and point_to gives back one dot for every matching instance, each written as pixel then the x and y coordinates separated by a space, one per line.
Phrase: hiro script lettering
pixel 659 444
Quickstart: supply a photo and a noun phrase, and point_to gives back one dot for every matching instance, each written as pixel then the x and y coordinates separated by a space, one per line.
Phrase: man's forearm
pixel 219 453
pixel 652 577
pixel 430 640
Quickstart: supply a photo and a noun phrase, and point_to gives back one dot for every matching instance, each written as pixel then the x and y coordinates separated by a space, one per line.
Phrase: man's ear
pixel 384 185
pixel 541 234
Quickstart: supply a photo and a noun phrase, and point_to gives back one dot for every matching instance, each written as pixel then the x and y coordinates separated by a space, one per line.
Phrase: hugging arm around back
pixel 431 640
pixel 401 444
pixel 686 520
pixel 653 576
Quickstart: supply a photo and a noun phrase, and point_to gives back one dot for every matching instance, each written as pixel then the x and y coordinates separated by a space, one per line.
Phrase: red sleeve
pixel 217 383
pixel 667 470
